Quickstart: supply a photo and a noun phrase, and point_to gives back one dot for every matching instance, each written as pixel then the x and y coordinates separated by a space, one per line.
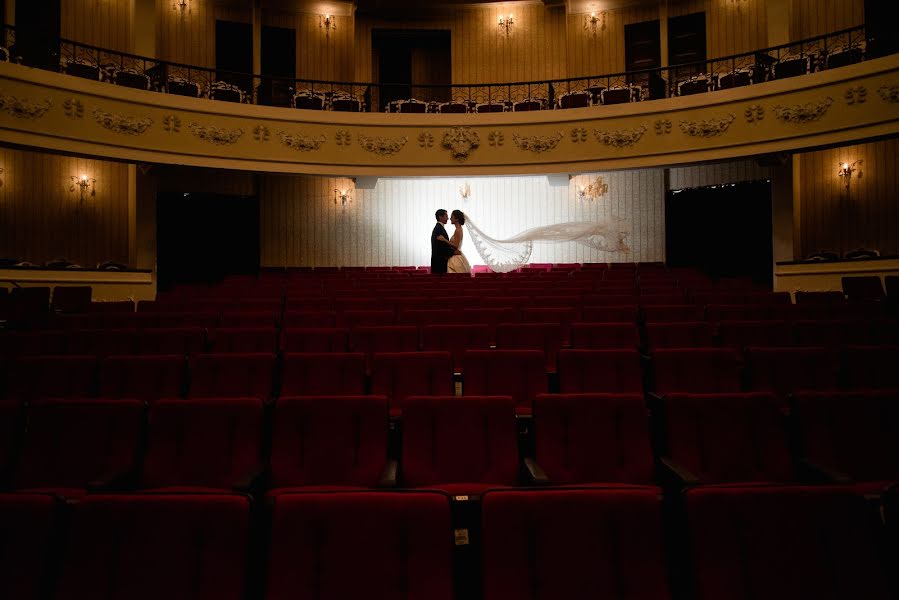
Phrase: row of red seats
pixel 521 374
pixel 779 542
pixel 73 447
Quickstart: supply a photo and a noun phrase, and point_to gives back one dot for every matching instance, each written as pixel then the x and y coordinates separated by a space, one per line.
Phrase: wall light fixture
pixel 82 184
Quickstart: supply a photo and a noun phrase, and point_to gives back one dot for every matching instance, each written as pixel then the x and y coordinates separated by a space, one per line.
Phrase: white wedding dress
pixel 458 263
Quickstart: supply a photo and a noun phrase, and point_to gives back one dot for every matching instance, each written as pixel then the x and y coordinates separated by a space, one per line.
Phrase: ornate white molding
pixel 382 146
pixel 708 127
pixel 579 134
pixel 496 138
pixel 537 143
pixel 461 141
pixel 620 138
pixel 889 93
pixel 426 139
pixel 754 113
pixel 301 143
pixel 22 108
pixel 343 137
pixel 124 124
pixel 73 108
pixel 856 95
pixel 663 126
pixel 216 135
pixel 803 113
pixel 171 123
pixel 261 133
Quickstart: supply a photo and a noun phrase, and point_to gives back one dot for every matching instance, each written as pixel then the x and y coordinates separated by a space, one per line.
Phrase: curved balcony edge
pixel 50 111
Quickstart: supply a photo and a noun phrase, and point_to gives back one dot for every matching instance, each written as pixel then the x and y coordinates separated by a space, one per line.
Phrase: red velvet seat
pixel 360 318
pixel 604 336
pixel 146 378
pixel 743 334
pixel 609 314
pixel 244 340
pixel 600 371
pixel 361 545
pixel 244 319
pixel 101 342
pixel 853 433
pixel 387 338
pixel 782 543
pixel 12 426
pixel 591 438
pixel 872 367
pixel 323 374
pixel 295 319
pixel 72 443
pixel 490 317
pixel 335 442
pixel 188 341
pixel 545 337
pixel 27 528
pixel 206 443
pixel 51 377
pixel 691 334
pixel 462 446
pixel 747 312
pixel 455 339
pixel 517 373
pixel 151 546
pixel 673 313
pixel 399 375
pixel 789 370
pixel 729 437
pixel 584 543
pixel 231 375
pixel 696 370
pixel 423 317
pixel 315 340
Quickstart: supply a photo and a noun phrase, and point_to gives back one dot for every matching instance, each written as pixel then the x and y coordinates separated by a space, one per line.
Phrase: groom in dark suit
pixel 440 250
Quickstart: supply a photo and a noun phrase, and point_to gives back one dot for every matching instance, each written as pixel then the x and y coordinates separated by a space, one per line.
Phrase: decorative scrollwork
pixel 381 145
pixel 856 95
pixel 261 133
pixel 22 108
pixel 426 139
pixel 124 124
pixel 754 113
pixel 301 143
pixel 620 138
pixel 171 123
pixel 73 108
pixel 496 138
pixel 708 127
pixel 343 137
pixel 537 143
pixel 663 126
pixel 803 113
pixel 216 135
pixel 579 134
pixel 889 93
pixel 461 141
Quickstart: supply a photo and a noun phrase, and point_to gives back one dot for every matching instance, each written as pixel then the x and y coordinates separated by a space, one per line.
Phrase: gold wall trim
pixel 375 143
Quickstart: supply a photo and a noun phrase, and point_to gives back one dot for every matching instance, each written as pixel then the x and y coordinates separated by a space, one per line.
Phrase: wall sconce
pixel 594 21
pixel 847 169
pixel 327 22
pixel 506 23
pixel 1 176
pixel 465 191
pixel 343 196
pixel 82 184
pixel 181 5
pixel 595 190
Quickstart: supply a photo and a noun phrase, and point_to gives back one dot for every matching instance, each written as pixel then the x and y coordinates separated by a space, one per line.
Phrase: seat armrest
pixel 388 477
pixel 821 473
pixel 535 474
pixel 672 470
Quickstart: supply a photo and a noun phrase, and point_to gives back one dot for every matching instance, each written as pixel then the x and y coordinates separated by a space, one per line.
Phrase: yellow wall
pixel 810 18
pixel 40 219
pixel 103 23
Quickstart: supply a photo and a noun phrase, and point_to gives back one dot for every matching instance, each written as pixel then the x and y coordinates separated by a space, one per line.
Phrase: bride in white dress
pixel 457 263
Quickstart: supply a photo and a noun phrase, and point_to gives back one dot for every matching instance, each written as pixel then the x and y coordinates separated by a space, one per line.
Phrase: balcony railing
pixel 790 60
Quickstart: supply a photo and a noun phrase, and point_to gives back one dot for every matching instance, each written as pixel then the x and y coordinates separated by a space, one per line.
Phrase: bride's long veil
pixel 509 254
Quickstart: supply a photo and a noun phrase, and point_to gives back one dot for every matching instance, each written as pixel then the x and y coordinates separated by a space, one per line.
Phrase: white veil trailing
pixel 509 254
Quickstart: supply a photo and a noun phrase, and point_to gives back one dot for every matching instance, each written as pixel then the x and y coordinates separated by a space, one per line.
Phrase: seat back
pixel 27 528
pixel 692 334
pixel 329 440
pixel 399 375
pixel 313 339
pixel 51 377
pixel 186 341
pixel 399 546
pixel 600 371
pixel 208 442
pixel 742 334
pixel 545 337
pixel 782 543
pixel 585 543
pixel 231 375
pixel 71 299
pixel 440 445
pixel 605 336
pixel 245 340
pixel 72 442
pixel 863 288
pixel 146 378
pixel 455 339
pixel 323 374
pixel 872 367
pixel 589 438
pixel 788 370
pixel 145 547
pixel 517 373
pixel 697 370
pixel 729 437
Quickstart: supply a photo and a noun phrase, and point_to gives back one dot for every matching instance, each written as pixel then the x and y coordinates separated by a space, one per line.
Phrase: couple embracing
pixel 446 251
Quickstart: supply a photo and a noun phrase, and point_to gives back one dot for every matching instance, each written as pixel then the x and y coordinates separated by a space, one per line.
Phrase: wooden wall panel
pixel 103 23
pixel 390 224
pixel 40 219
pixel 715 174
pixel 603 53
pixel 864 216
pixel 188 36
pixel 810 18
